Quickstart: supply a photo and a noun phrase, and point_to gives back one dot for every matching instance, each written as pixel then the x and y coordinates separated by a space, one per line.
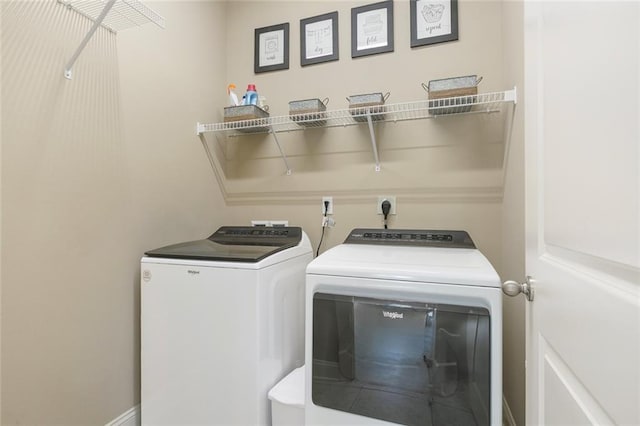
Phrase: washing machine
pixel 403 327
pixel 221 322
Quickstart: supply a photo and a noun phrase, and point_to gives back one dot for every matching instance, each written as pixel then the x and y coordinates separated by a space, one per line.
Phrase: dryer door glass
pixel 407 363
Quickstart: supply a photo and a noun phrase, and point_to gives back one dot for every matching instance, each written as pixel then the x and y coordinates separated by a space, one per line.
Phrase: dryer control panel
pixel 411 238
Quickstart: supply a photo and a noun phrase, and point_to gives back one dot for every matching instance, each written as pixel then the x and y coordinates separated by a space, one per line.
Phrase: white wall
pixel 512 218
pixel 98 169
pixel 444 173
pixel 1 133
pixel 94 171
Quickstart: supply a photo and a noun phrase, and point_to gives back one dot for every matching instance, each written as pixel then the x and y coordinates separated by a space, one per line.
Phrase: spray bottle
pixel 233 98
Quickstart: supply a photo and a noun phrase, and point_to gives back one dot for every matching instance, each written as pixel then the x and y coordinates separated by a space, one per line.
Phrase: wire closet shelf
pixel 473 104
pixel 114 15
pixel 122 15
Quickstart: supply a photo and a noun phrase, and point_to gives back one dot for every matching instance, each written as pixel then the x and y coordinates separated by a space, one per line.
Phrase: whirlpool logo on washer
pixel 393 315
pixel 193 272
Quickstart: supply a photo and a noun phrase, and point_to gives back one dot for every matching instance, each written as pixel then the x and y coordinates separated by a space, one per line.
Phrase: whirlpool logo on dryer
pixel 392 315
pixel 193 272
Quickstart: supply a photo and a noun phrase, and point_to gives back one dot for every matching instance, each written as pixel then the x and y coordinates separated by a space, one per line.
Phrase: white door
pixel 582 121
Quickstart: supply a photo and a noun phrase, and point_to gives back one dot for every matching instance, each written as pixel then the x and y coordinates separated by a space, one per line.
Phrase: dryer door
pixel 407 363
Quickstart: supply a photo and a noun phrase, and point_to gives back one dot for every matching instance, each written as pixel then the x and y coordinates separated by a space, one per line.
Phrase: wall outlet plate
pixel 391 199
pixel 328 222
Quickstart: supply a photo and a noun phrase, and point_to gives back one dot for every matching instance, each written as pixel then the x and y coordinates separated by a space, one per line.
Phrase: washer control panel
pixel 411 238
pixel 257 235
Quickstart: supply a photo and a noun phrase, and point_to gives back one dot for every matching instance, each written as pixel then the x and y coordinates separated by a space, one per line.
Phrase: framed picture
pixel 372 29
pixel 319 39
pixel 433 21
pixel 271 48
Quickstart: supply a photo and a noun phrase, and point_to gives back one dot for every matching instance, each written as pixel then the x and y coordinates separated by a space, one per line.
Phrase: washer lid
pixel 235 244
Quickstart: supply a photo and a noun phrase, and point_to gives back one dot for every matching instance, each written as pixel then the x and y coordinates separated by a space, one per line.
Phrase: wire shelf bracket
pixel 284 157
pixel 374 144
pixel 114 16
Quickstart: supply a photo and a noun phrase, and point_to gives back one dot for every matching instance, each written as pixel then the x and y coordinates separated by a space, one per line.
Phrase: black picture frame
pixel 319 39
pixel 271 51
pixel 372 29
pixel 433 21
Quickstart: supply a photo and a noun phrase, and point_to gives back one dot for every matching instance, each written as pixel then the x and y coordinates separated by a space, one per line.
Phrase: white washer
pixel 403 327
pixel 222 322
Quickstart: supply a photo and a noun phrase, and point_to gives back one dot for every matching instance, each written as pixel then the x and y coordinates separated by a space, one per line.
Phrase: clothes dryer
pixel 222 322
pixel 403 327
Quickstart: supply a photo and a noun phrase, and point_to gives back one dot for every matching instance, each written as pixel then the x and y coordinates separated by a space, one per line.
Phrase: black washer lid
pixel 234 244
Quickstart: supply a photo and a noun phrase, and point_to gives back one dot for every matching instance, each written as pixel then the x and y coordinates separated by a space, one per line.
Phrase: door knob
pixel 514 288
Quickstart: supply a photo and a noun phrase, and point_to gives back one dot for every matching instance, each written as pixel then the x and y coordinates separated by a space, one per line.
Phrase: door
pixel 582 135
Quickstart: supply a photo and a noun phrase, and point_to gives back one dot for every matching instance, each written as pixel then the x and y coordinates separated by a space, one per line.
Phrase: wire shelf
pixel 123 15
pixel 459 105
pixel 474 104
pixel 113 15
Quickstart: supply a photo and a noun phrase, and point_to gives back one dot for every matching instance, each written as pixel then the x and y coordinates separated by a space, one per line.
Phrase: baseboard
pixel 129 418
pixel 132 416
pixel 507 415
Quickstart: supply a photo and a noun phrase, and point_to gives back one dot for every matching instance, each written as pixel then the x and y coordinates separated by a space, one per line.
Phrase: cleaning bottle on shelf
pixel 233 98
pixel 251 97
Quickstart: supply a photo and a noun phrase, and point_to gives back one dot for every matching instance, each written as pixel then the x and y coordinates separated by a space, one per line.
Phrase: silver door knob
pixel 514 288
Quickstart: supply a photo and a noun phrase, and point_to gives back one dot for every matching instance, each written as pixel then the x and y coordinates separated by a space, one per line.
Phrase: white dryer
pixel 403 327
pixel 222 322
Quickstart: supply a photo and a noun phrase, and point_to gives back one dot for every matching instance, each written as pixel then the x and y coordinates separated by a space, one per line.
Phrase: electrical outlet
pixel 329 207
pixel 391 199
